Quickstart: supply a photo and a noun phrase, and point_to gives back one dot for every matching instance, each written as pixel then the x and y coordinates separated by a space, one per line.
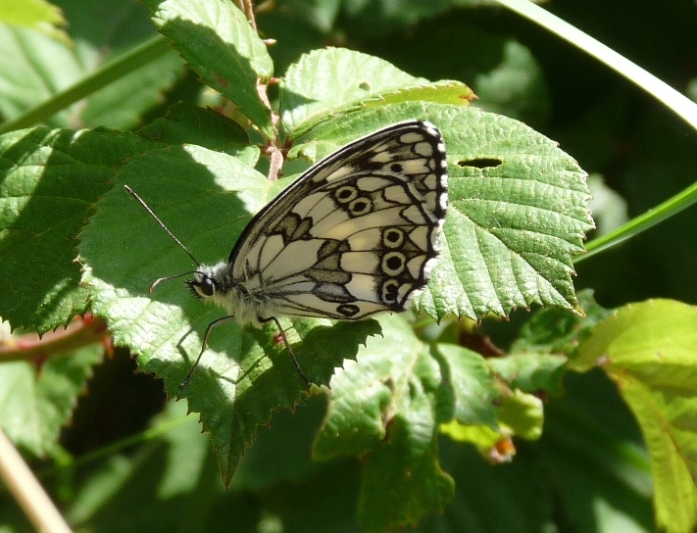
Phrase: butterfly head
pixel 214 284
pixel 208 281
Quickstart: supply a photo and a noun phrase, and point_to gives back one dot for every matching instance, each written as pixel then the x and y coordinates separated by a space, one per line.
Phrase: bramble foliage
pixel 404 410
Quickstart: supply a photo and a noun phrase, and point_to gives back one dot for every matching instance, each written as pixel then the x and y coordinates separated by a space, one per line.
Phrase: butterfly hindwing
pixel 356 234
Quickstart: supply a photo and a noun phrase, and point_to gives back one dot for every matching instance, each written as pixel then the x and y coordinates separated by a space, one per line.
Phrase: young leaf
pixel 439 92
pixel 648 349
pixel 349 81
pixel 341 78
pixel 39 15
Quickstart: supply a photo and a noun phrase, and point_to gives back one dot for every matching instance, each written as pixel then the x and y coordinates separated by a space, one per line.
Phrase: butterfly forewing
pixel 354 235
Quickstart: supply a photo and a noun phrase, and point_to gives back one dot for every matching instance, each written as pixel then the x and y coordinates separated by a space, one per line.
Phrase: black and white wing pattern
pixel 356 234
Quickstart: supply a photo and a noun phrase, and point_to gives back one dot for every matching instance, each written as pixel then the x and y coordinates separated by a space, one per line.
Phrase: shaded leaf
pixel 36 403
pixel 406 464
pixel 50 181
pixel 189 124
pixel 384 407
pixel 218 43
pixel 559 330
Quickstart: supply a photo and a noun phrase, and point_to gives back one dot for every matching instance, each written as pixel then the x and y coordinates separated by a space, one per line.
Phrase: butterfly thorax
pixel 216 285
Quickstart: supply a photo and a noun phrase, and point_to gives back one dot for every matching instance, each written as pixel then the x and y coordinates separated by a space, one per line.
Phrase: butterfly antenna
pixel 162 225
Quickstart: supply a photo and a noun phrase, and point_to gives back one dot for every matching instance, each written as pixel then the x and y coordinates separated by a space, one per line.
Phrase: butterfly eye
pixel 205 286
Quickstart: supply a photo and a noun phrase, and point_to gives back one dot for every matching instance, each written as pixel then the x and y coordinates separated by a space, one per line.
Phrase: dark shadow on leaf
pixel 40 277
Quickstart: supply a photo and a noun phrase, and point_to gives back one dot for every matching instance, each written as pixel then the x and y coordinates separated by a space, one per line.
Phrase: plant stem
pixel 112 71
pixel 661 91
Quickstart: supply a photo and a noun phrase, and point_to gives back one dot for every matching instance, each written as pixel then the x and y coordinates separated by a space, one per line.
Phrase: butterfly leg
pixel 290 350
pixel 204 345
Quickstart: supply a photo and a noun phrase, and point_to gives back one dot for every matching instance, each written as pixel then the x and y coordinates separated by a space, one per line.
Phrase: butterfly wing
pixel 356 234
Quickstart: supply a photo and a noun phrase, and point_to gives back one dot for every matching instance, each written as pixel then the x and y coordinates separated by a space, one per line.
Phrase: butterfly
pixel 356 234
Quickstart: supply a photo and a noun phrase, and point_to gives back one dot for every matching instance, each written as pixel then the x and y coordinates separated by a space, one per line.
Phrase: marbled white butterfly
pixel 355 235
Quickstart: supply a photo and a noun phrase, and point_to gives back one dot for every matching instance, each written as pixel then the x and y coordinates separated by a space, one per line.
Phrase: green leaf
pixel 559 330
pixel 185 123
pixel 471 384
pixel 36 67
pixel 51 181
pixel 530 372
pixel 364 392
pixel 215 38
pixel 648 350
pixel 367 392
pixel 518 213
pixel 344 80
pixel 407 466
pixel 518 414
pixel 206 198
pixel 36 14
pixel 35 403
pixel 386 408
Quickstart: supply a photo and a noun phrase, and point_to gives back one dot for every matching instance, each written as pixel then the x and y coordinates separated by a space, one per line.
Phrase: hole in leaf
pixel 482 162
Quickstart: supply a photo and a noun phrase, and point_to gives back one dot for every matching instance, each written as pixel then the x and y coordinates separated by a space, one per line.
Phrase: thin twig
pixel 28 491
pixel 81 332
pixel 272 150
pixel 248 9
